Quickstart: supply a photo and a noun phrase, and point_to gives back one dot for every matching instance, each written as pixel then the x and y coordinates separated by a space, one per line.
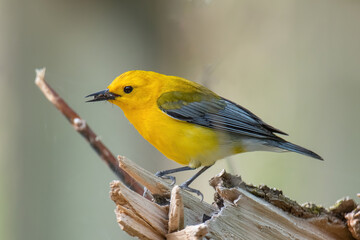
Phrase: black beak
pixel 102 96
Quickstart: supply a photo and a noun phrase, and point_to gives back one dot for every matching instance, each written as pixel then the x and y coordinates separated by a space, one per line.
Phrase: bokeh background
pixel 294 63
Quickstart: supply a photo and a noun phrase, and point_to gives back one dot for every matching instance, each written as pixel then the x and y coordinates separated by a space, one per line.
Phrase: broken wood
pixel 137 215
pixel 353 221
pixel 189 233
pixel 176 212
pixel 240 211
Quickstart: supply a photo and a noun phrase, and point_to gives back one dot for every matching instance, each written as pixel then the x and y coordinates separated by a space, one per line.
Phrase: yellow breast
pixel 183 142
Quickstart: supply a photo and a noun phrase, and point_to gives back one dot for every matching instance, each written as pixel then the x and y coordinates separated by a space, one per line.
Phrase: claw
pixel 172 179
pixel 164 176
pixel 184 186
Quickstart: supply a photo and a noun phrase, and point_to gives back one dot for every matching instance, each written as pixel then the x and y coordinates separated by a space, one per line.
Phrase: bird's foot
pixel 163 175
pixel 185 186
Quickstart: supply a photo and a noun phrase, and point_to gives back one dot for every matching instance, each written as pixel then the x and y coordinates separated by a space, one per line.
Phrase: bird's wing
pixel 215 112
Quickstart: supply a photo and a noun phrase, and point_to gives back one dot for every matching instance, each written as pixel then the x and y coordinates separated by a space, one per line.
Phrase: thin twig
pixel 80 126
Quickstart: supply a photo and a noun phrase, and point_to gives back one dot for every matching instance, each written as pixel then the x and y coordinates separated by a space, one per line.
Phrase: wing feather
pixel 216 113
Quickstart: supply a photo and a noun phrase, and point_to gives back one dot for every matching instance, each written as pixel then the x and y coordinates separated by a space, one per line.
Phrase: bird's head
pixel 132 90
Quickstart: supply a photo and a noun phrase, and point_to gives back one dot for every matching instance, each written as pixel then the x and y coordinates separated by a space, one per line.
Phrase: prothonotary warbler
pixel 190 124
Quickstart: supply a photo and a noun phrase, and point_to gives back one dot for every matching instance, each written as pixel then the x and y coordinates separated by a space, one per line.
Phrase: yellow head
pixel 136 89
pixel 133 89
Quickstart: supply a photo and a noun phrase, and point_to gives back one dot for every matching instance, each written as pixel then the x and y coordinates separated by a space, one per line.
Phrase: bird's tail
pixel 294 148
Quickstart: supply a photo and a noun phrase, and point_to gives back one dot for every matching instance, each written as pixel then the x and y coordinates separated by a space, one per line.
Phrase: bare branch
pixel 80 126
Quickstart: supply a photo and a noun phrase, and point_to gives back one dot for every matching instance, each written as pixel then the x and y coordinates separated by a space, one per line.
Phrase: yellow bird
pixel 190 124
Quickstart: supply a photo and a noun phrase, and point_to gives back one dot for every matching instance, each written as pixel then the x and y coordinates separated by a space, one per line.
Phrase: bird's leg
pixel 164 174
pixel 186 184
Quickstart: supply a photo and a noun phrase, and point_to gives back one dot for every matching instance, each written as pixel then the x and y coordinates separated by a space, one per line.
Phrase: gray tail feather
pixel 295 148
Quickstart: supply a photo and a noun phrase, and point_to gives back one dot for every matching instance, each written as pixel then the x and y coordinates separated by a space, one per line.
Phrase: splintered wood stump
pixel 240 211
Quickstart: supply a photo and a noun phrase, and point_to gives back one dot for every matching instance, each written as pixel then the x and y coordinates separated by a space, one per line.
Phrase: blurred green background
pixel 296 64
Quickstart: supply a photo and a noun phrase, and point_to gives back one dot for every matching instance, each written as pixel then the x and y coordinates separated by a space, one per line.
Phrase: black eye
pixel 128 89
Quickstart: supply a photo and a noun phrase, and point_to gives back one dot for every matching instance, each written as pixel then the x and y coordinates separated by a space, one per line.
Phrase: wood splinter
pixel 196 232
pixel 176 212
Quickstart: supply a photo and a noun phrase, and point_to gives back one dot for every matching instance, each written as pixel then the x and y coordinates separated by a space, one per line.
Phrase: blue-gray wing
pixel 220 114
